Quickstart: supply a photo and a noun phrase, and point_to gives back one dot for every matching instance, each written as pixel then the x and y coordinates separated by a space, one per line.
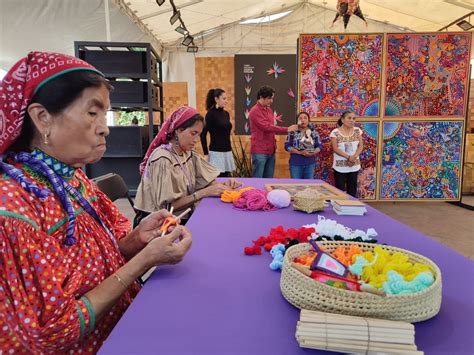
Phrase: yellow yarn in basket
pixel 375 273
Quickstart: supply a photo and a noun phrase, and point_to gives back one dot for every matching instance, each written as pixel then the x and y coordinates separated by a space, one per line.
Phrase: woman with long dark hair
pixel 303 146
pixel 347 144
pixel 219 127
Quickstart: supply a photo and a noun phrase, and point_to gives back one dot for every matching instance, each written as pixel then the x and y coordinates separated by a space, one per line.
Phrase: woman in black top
pixel 219 127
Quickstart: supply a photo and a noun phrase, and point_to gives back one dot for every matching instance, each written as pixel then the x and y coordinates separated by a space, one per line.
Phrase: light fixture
pixel 160 2
pixel 182 30
pixel 187 40
pixel 465 25
pixel 192 49
pixel 175 17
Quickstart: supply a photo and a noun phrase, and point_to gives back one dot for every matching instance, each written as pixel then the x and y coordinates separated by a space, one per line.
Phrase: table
pixel 220 301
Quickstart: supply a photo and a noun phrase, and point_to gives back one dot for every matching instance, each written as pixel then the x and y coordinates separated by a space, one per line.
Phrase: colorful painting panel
pixel 367 175
pixel 427 74
pixel 340 73
pixel 421 160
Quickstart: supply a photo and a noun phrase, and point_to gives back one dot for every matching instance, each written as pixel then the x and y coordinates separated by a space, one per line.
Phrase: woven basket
pixel 306 293
pixel 308 201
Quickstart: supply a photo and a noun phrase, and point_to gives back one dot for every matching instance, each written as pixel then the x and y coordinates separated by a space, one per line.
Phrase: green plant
pixel 126 118
pixel 243 164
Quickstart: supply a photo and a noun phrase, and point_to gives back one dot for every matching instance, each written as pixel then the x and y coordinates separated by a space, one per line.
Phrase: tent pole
pixel 107 20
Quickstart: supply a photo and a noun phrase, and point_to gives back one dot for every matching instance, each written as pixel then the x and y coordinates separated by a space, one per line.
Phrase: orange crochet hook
pixel 169 221
pixel 172 221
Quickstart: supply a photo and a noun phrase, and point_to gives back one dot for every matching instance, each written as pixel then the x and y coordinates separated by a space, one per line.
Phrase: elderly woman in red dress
pixel 68 260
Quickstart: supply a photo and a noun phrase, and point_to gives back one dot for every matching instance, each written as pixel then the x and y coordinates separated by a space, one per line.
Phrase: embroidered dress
pixel 348 144
pixel 43 280
pixel 170 177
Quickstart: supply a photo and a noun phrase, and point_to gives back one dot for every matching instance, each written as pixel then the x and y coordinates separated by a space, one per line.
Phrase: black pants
pixel 347 182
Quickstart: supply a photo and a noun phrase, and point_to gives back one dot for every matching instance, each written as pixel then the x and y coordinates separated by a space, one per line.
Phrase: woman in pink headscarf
pixel 173 174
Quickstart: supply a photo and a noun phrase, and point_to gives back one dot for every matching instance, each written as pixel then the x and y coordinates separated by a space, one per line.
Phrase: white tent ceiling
pixel 202 16
pixel 54 25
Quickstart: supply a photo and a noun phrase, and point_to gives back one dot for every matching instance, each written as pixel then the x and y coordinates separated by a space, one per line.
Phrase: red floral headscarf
pixel 23 80
pixel 177 118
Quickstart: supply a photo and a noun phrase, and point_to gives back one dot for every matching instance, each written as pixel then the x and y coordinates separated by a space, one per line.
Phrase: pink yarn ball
pixel 279 198
pixel 253 200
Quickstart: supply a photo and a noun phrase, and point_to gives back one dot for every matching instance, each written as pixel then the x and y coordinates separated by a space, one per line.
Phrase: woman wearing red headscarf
pixel 68 260
pixel 173 174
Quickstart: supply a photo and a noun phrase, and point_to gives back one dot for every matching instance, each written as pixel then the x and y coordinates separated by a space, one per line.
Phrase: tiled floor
pixel 447 223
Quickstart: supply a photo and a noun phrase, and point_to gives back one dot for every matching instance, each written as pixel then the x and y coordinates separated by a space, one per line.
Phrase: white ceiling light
pixel 265 19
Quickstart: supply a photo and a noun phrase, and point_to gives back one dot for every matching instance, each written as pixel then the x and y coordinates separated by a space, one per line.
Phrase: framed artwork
pixel 421 160
pixel 329 192
pixel 340 72
pixel 427 74
pixel 367 178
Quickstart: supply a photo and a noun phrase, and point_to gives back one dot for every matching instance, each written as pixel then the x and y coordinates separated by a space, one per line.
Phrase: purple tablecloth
pixel 219 301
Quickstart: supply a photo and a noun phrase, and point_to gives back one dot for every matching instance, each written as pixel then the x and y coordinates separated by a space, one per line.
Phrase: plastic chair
pixel 114 187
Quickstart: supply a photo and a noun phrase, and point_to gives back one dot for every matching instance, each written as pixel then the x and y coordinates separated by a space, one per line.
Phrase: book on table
pixel 348 207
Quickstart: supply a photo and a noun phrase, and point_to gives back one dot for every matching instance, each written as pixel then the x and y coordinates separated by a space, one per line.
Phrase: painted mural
pixel 427 74
pixel 340 73
pixel 367 175
pixel 421 160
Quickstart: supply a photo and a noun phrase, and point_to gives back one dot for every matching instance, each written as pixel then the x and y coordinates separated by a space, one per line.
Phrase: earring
pixel 176 139
pixel 217 105
pixel 45 138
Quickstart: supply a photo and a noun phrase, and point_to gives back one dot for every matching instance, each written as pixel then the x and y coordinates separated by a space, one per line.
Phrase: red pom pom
pixel 255 250
pixel 248 251
pixel 269 246
pixel 260 241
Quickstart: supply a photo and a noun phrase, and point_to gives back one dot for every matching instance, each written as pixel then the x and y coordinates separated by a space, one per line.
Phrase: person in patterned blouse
pixel 303 146
pixel 347 144
pixel 68 258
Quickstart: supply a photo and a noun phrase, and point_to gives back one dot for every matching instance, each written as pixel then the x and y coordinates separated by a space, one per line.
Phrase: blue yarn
pixel 396 284
pixel 357 267
pixel 277 252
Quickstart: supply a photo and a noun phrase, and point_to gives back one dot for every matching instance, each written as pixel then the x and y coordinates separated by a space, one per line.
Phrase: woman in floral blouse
pixel 68 258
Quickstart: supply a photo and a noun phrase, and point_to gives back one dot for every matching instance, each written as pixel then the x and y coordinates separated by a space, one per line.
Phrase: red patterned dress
pixel 42 280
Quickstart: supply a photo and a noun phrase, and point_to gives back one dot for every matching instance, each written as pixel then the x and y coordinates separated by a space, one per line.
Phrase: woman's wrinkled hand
pixel 214 190
pixel 149 227
pixel 169 249
pixel 233 184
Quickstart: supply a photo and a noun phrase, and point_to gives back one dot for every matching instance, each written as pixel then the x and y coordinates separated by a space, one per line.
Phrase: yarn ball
pixel 397 285
pixel 277 252
pixel 253 200
pixel 279 198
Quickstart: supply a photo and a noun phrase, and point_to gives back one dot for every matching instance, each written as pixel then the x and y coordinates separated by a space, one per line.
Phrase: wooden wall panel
pixel 174 95
pixel 215 72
